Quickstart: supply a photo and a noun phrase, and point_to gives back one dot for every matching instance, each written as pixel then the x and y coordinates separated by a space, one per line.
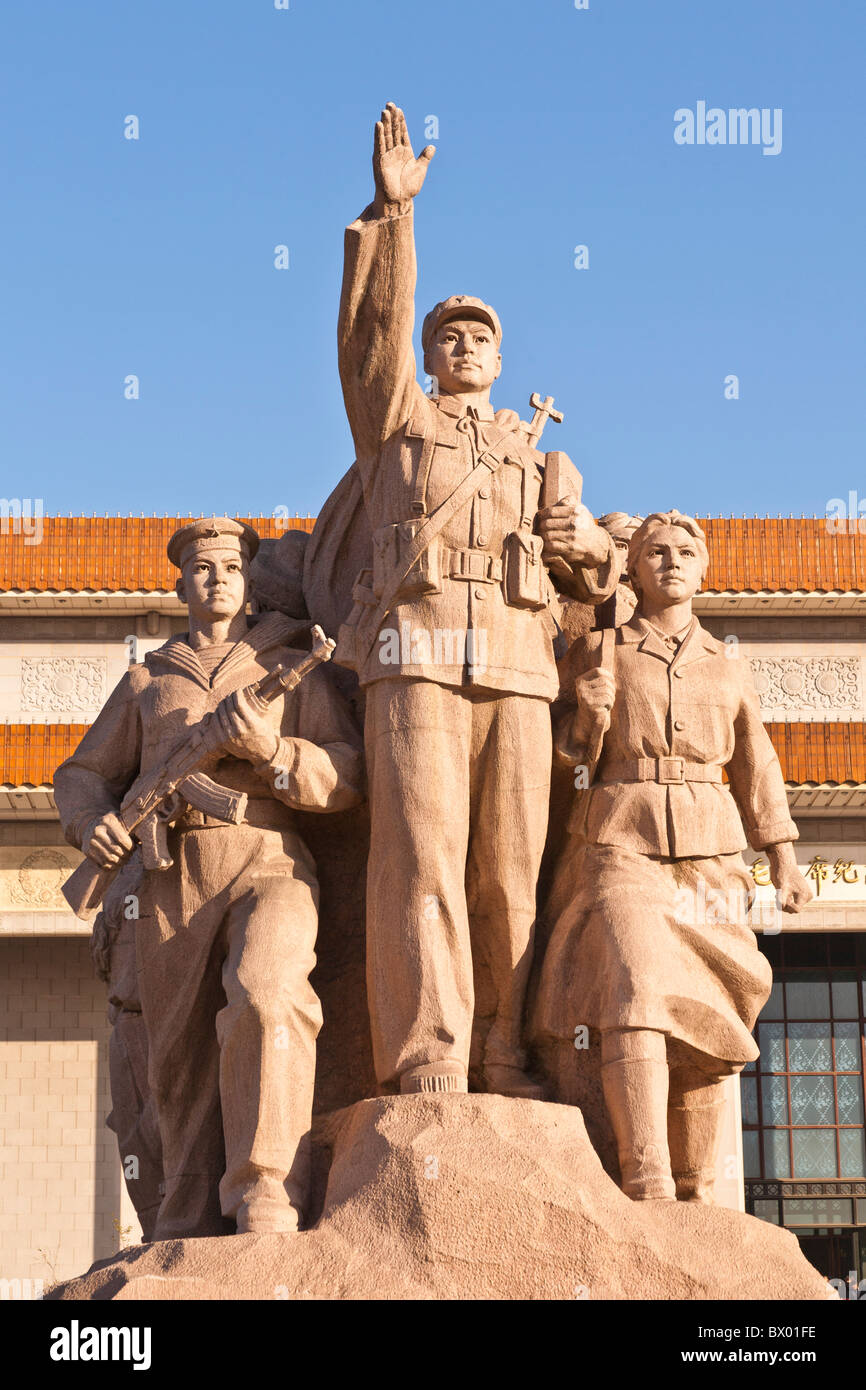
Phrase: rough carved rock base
pixel 444 1197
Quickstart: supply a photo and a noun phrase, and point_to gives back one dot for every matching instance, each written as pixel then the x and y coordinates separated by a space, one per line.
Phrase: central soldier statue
pixel 452 636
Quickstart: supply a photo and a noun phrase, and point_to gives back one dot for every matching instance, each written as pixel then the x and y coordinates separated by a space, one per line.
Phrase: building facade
pixel 83 598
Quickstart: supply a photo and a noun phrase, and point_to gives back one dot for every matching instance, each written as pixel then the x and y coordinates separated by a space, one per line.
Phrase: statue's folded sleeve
pixel 92 782
pixel 755 774
pixel 319 764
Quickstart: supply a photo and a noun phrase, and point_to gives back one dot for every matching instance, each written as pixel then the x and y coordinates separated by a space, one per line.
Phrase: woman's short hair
pixel 654 522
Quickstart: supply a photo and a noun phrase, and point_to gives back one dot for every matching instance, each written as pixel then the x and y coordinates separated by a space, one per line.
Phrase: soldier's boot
pixel 501 991
pixel 147 1219
pixel 191 1207
pixel 504 1080
pixel 267 1209
pixel 695 1119
pixel 434 1077
pixel 504 1071
pixel 635 1092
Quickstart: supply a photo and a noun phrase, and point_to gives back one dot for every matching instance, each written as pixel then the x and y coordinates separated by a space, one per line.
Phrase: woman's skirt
pixel 657 943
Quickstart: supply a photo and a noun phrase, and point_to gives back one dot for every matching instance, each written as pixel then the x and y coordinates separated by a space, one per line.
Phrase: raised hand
pixel 397 173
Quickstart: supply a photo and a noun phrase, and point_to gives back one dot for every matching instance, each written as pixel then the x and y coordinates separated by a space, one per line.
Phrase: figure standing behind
pixel 453 640
pixel 655 950
pixel 577 619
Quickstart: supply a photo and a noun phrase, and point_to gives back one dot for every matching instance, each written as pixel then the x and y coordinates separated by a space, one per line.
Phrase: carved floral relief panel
pixel 62 685
pixel 817 683
pixel 31 878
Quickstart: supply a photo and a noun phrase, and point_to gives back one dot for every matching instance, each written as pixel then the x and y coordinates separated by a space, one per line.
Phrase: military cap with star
pixel 459 306
pixel 212 533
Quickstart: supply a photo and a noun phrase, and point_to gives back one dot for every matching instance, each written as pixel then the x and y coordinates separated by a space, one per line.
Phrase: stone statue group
pixel 459 563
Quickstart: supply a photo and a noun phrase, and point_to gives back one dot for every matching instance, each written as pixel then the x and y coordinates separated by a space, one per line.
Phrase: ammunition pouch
pixel 521 573
pixel 363 602
pixel 525 577
pixel 390 544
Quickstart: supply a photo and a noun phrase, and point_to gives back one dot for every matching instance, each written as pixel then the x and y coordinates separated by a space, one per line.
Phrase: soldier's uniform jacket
pixel 677 721
pixel 483 575
pixel 158 702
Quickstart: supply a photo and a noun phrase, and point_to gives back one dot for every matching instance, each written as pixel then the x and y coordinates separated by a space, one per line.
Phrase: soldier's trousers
pixel 133 1113
pixel 225 950
pixel 133 1116
pixel 458 784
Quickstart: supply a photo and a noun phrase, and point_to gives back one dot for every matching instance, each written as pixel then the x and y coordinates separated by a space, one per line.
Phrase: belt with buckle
pixel 262 813
pixel 478 566
pixel 668 771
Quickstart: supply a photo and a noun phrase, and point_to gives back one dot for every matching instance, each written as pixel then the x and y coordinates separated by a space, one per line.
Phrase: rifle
pixel 606 662
pixel 155 798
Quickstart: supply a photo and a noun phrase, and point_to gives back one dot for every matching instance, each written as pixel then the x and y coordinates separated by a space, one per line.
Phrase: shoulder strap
pixel 426 428
pixel 607 649
pixel 487 464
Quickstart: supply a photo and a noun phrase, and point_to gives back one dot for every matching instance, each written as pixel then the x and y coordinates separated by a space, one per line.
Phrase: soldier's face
pixel 670 567
pixel 214 584
pixel 463 357
pixel 620 540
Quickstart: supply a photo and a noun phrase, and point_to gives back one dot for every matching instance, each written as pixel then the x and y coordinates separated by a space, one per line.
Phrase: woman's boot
pixel 695 1117
pixel 634 1075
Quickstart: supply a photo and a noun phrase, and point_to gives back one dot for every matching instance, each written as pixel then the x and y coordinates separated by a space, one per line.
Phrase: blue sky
pixel 155 257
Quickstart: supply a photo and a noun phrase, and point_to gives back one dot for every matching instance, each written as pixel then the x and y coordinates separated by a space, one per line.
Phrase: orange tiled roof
pixel 747 553
pixel 818 752
pixel 31 753
pixel 833 752
pixel 106 552
pixel 782 553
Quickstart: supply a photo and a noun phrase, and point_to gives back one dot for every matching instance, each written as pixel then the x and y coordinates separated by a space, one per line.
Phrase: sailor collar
pixel 272 630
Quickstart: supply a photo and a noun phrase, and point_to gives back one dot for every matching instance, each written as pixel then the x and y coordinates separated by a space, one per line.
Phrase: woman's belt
pixel 665 770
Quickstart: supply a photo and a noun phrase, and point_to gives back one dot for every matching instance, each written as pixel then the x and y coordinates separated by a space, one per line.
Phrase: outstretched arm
pixel 377 305
pixel 759 791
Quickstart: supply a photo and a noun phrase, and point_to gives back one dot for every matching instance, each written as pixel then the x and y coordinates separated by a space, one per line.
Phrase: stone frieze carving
pixel 62 684
pixel 39 879
pixel 813 682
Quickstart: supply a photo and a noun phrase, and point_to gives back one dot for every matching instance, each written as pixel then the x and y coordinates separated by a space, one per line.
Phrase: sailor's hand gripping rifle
pixel 157 797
